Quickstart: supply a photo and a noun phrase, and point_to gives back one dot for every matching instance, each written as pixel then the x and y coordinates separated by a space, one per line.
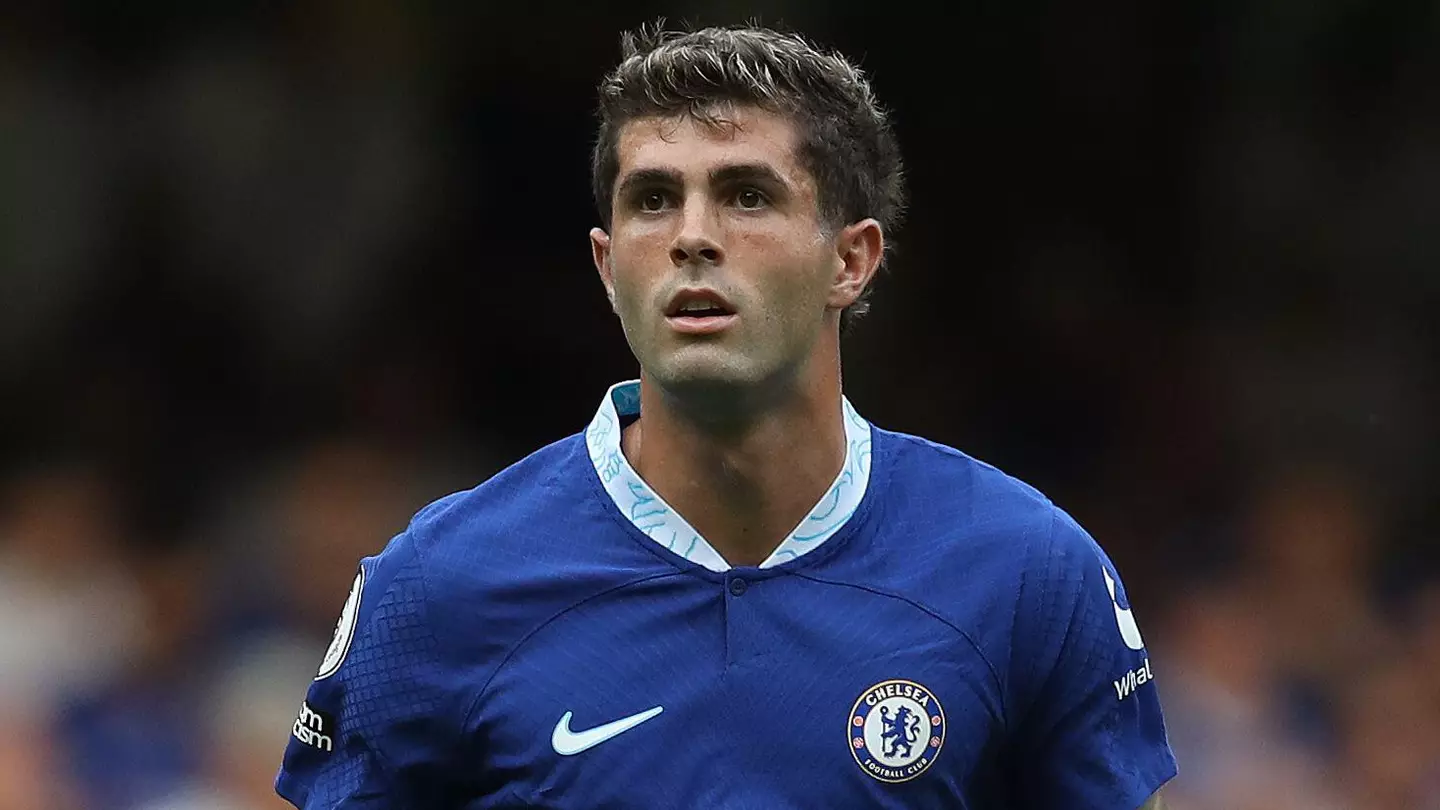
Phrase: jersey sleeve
pixel 1090 734
pixel 376 728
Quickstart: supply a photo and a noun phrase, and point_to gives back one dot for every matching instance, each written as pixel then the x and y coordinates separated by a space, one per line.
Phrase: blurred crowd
pixel 272 278
pixel 1288 683
pixel 166 676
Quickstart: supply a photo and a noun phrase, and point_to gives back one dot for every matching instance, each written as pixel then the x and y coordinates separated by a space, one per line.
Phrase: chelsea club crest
pixel 896 730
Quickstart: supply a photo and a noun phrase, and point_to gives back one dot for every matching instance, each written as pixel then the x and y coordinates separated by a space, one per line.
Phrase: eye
pixel 750 199
pixel 653 201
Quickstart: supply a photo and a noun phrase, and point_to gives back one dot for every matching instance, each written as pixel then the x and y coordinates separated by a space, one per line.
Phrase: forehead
pixel 743 135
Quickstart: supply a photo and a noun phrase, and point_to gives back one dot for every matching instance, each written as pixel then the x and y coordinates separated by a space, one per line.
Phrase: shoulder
pixel 957 505
pixel 436 613
pixel 469 528
pixel 493 562
pixel 521 495
pixel 965 538
pixel 974 514
pixel 525 512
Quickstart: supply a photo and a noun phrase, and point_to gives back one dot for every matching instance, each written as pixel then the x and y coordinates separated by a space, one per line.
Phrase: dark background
pixel 273 275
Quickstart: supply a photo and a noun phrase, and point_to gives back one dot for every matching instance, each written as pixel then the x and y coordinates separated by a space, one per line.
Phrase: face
pixel 718 263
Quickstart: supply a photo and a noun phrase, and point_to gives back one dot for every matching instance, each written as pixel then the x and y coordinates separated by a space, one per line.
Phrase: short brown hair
pixel 846 140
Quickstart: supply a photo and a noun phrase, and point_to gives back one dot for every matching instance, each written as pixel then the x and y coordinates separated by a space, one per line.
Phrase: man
pixel 730 591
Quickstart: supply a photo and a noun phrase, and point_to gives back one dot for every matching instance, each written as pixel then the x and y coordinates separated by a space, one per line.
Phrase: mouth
pixel 699 312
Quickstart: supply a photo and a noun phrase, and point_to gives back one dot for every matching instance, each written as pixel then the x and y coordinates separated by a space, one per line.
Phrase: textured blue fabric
pixel 954 645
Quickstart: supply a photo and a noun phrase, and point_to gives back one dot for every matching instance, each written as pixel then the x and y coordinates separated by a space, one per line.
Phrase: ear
pixel 600 252
pixel 858 249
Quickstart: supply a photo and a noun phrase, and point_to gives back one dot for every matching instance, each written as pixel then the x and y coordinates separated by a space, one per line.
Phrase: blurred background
pixel 274 275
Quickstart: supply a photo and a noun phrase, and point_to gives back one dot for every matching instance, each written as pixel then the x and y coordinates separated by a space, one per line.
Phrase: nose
pixel 696 241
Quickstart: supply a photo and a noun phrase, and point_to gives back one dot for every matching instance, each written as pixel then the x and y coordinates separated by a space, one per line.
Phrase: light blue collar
pixel 651 515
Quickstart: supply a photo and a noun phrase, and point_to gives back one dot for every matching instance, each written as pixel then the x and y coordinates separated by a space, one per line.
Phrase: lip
pixel 699 324
pixel 708 325
pixel 688 295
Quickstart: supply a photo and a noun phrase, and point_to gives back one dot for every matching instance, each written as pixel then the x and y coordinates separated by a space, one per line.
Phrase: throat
pixel 743 497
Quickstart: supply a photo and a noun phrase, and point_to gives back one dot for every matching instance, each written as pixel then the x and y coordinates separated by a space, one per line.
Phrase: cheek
pixel 632 287
pixel 628 293
pixel 801 290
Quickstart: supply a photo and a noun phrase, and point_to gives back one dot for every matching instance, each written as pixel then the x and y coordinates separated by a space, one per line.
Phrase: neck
pixel 746 479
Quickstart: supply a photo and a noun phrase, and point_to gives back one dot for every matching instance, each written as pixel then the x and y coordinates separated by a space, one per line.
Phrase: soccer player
pixel 730 590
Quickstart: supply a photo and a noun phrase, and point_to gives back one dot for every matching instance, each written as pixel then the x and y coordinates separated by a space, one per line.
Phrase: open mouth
pixel 699 312
pixel 700 309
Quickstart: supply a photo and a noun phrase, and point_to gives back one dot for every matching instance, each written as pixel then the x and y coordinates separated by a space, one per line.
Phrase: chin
pixel 699 372
pixel 713 375
pixel 692 380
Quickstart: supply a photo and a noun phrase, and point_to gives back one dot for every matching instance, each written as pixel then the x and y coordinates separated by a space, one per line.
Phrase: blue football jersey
pixel 934 634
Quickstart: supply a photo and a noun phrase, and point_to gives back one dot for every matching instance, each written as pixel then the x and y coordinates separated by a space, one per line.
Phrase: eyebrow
pixel 720 175
pixel 754 172
pixel 646 177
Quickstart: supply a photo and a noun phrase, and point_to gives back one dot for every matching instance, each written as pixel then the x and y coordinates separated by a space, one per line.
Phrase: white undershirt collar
pixel 658 521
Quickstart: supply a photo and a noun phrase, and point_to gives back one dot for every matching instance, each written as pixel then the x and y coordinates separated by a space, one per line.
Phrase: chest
pixel 776 693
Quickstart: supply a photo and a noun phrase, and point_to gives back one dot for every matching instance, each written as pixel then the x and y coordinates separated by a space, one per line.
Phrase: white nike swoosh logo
pixel 568 743
pixel 1129 630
